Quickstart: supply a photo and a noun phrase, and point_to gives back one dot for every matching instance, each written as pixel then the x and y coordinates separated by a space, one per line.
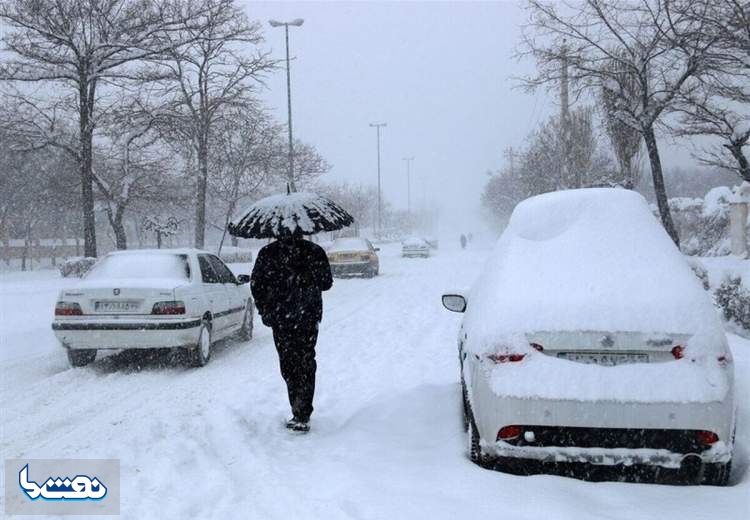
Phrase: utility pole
pixel 408 161
pixel 565 121
pixel 377 126
pixel 298 22
pixel 510 155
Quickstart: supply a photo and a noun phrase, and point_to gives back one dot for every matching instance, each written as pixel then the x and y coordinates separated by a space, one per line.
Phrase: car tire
pixel 717 474
pixel 475 449
pixel 199 354
pixel 368 273
pixel 464 405
pixel 81 358
pixel 246 331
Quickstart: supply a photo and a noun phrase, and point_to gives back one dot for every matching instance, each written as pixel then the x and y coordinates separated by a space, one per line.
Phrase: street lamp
pixel 296 23
pixel 380 210
pixel 408 161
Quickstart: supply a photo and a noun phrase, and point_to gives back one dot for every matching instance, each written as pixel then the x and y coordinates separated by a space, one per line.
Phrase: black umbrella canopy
pixel 280 216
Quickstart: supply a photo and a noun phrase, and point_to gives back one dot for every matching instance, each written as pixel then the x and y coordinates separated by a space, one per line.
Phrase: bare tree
pixel 707 114
pixel 134 167
pixel 246 158
pixel 81 46
pixel 220 69
pixel 662 44
pixel 625 140
pixel 720 105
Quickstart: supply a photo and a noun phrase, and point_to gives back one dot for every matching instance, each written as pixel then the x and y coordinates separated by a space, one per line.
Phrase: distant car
pixel 412 247
pixel 153 298
pixel 587 339
pixel 353 256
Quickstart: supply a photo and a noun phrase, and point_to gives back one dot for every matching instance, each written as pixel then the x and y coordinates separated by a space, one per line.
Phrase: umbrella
pixel 280 216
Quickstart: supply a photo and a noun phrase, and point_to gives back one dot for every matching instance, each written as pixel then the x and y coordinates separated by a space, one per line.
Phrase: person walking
pixel 287 281
pixel 463 241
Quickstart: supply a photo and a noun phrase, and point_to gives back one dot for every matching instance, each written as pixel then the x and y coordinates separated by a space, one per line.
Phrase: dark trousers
pixel 296 347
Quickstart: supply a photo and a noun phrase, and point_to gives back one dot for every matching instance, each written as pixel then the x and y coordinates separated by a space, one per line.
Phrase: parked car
pixel 353 256
pixel 412 247
pixel 153 298
pixel 587 339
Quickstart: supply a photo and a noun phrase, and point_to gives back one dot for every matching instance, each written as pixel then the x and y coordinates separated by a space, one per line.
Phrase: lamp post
pixel 380 209
pixel 296 23
pixel 408 161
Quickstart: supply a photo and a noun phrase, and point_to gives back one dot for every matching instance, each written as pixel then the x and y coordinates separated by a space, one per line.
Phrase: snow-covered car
pixel 415 246
pixel 588 339
pixel 151 299
pixel 349 256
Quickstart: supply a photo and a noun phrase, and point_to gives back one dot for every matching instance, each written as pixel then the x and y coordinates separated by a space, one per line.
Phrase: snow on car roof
pixel 349 244
pixel 590 259
pixel 414 241
pixel 172 251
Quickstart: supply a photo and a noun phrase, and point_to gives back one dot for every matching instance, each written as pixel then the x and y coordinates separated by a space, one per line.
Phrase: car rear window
pixel 349 244
pixel 141 266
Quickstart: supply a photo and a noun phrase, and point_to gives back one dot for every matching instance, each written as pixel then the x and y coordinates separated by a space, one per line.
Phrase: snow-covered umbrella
pixel 280 216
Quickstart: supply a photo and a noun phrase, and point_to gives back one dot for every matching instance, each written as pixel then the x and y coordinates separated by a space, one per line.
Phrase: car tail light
pixel 68 309
pixel 506 358
pixel 706 437
pixel 678 352
pixel 508 433
pixel 537 347
pixel 176 307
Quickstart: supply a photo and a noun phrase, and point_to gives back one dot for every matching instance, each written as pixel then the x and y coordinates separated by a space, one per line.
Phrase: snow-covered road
pixel 386 442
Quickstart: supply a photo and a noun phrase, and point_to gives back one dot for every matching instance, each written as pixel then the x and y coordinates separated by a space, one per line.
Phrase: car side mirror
pixel 376 248
pixel 243 279
pixel 454 302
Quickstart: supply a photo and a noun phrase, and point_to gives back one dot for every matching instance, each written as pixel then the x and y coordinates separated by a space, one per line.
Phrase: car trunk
pixel 610 348
pixel 121 297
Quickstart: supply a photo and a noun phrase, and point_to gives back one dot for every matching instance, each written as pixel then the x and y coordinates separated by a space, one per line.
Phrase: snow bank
pixel 593 259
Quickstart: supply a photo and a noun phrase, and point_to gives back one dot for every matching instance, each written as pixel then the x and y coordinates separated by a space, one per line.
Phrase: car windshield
pixel 349 244
pixel 143 265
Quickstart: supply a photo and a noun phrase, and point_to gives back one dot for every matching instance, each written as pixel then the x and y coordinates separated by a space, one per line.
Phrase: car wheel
pixel 368 273
pixel 81 358
pixel 246 331
pixel 475 450
pixel 717 474
pixel 199 355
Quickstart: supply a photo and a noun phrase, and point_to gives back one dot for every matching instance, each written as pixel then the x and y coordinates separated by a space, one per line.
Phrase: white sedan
pixel 150 299
pixel 415 246
pixel 589 342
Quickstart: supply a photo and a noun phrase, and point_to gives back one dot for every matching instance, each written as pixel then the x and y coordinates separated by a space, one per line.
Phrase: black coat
pixel 287 281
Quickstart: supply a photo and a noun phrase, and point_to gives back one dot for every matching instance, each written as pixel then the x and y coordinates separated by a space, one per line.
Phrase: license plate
pixel 604 358
pixel 118 306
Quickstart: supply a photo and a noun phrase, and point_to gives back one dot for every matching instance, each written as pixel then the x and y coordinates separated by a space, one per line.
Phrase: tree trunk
pixel 158 239
pixel 659 187
pixel 200 202
pixel 86 131
pixel 121 238
pixel 742 162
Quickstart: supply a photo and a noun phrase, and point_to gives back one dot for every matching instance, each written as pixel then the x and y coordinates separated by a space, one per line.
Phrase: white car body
pixel 412 247
pixel 115 302
pixel 583 344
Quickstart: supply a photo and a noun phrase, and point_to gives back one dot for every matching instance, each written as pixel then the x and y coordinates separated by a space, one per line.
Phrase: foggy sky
pixel 440 75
